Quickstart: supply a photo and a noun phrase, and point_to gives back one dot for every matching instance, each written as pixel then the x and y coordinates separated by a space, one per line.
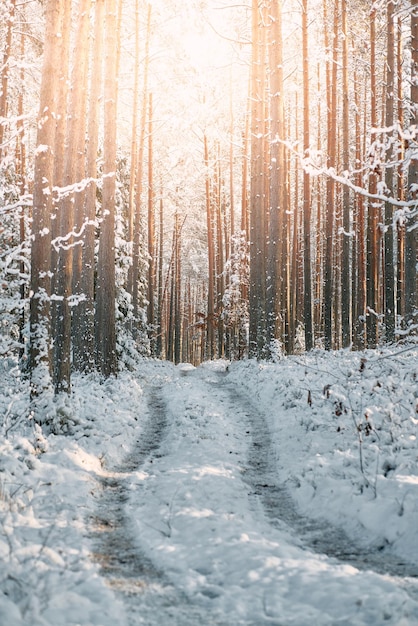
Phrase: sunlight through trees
pixel 205 180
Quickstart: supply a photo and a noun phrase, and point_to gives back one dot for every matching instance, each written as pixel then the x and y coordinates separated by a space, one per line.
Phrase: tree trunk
pixel 389 177
pixel 151 236
pixel 82 54
pixel 39 346
pixel 257 296
pixel 274 278
pixel 73 171
pixel 221 255
pixel 160 287
pixel 346 296
pixel 134 138
pixel 330 194
pixel 21 169
pixel 105 302
pixel 319 222
pixel 359 312
pixel 5 73
pixel 294 248
pixel 87 331
pixel 61 117
pixel 307 271
pixel 400 177
pixel 411 231
pixel 373 238
pixel 177 291
pixel 133 277
pixel 210 317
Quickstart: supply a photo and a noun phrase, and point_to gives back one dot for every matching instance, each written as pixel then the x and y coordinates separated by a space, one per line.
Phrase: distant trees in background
pixel 283 220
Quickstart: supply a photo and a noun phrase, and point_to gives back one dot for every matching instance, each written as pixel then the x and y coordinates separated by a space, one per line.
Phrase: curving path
pixel 280 508
pixel 148 595
pixel 176 525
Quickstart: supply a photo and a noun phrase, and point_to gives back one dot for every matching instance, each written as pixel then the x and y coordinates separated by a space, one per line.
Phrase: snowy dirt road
pixel 196 527
pixel 147 594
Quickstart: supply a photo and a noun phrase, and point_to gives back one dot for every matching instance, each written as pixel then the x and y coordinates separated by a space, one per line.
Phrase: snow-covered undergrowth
pixel 343 429
pixel 47 499
pixel 344 426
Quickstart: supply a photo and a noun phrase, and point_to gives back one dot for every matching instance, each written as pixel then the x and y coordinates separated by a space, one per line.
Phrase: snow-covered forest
pixel 208 312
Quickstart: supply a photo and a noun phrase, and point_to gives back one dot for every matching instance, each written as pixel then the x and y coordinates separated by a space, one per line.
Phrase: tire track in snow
pixel 116 552
pixel 279 507
pixel 148 596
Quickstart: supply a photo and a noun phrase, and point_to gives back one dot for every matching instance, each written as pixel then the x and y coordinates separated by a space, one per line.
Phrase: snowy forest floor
pixel 231 494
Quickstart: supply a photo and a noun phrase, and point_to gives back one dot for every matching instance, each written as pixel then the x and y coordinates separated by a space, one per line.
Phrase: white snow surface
pixel 239 488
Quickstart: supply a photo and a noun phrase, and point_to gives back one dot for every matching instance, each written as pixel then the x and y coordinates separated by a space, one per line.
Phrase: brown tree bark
pixel 346 295
pixel 274 268
pixel 220 257
pixel 389 284
pixel 106 296
pixel 21 170
pixel 87 330
pixel 39 346
pixel 133 277
pixel 373 235
pixel 177 291
pixel 359 258
pixel 210 316
pixel 411 231
pixel 400 178
pixel 134 143
pixel 307 271
pixel 74 170
pixel 151 233
pixel 78 312
pixel 61 109
pixel 257 293
pixel 319 243
pixel 5 72
pixel 329 287
pixel 160 287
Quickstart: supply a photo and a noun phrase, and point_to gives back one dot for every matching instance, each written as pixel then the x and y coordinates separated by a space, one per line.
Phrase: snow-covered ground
pixel 245 493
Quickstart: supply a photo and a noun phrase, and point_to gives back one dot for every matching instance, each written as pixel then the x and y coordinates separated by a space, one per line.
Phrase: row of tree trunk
pixel 362 266
pixel 325 251
pixel 64 273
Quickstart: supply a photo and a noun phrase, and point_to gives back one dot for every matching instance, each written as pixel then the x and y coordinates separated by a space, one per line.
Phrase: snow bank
pixel 48 487
pixel 344 426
